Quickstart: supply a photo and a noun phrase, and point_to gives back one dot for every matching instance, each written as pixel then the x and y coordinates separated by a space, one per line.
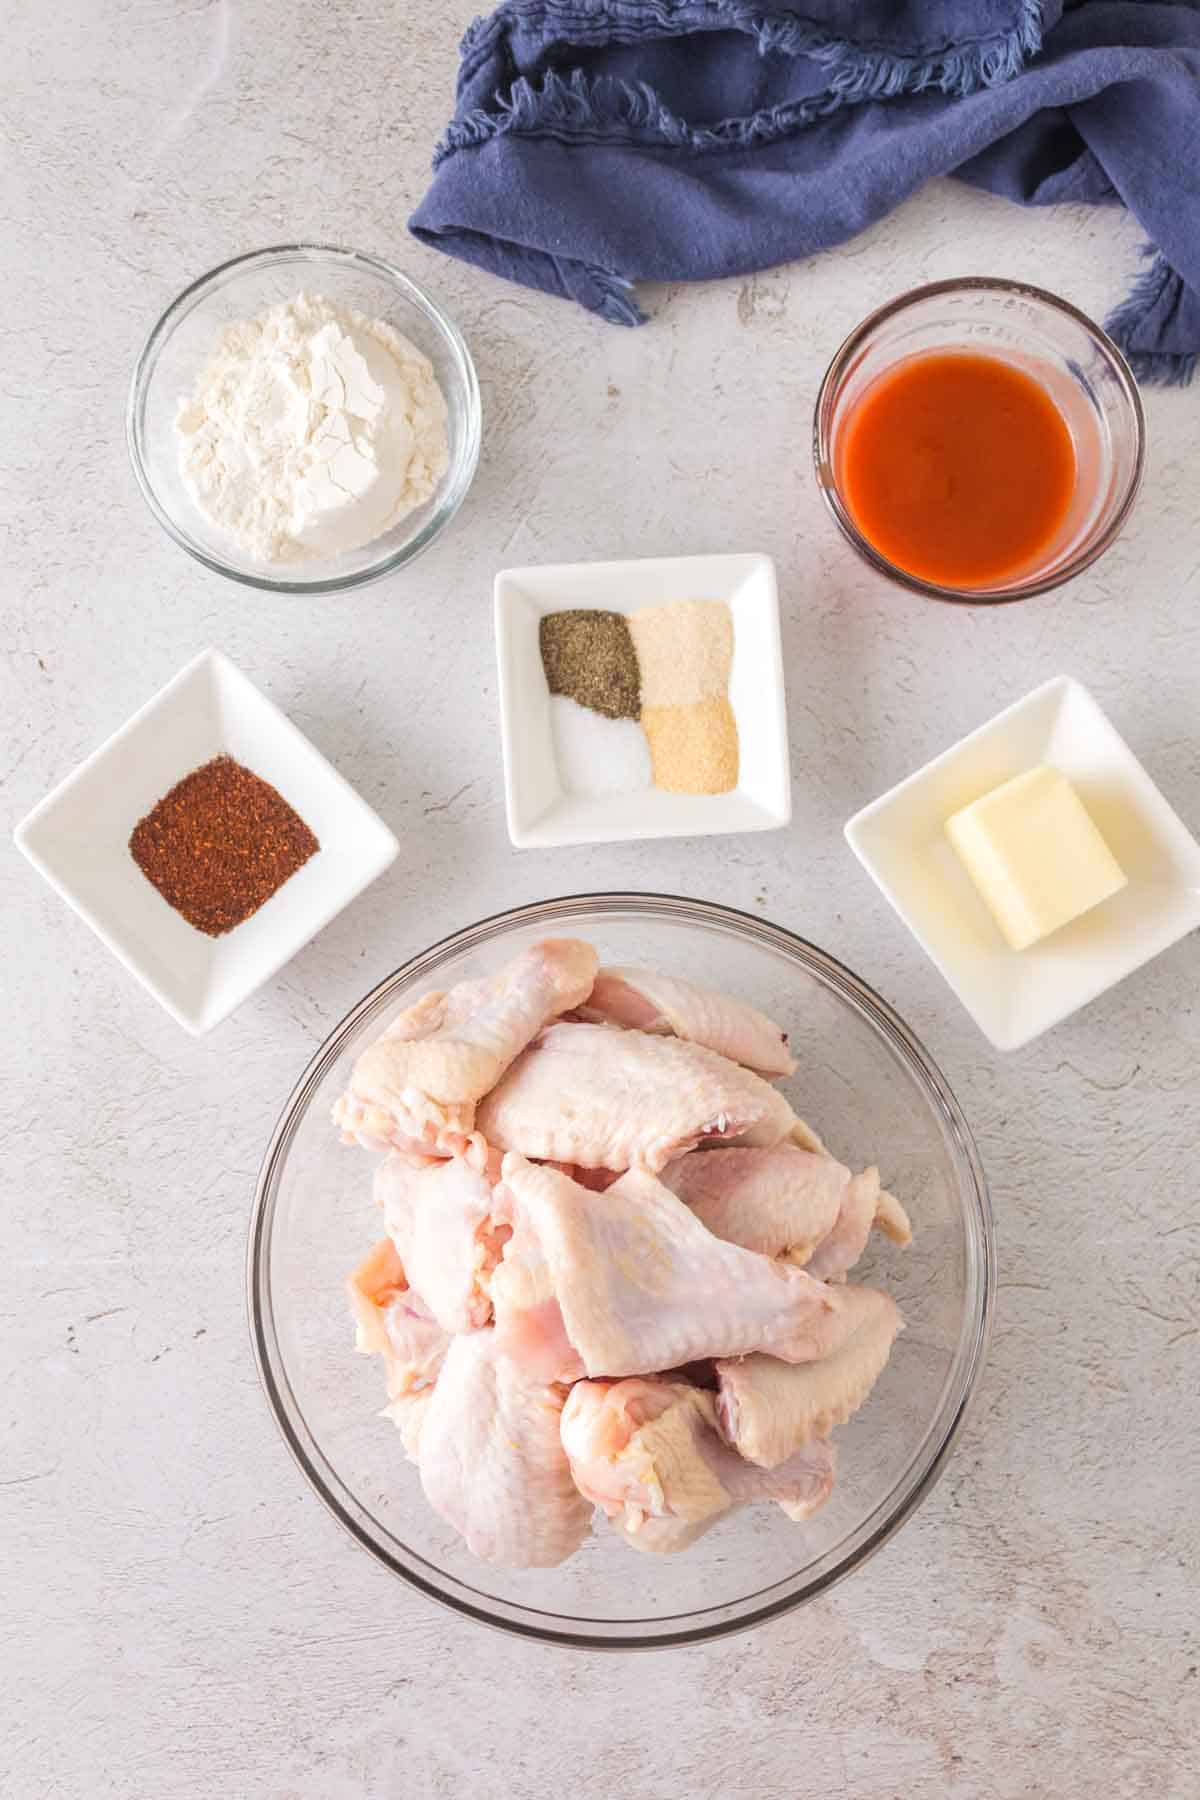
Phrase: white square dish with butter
pixel 1036 862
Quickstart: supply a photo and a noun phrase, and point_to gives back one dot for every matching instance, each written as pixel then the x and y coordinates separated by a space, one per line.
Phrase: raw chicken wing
pixel 642 1285
pixel 529 1320
pixel 788 1202
pixel 393 1322
pixel 407 1413
pixel 780 1202
pixel 768 1409
pixel 864 1203
pixel 439 1216
pixel 492 1461
pixel 646 1001
pixel 416 1087
pixel 615 1263
pixel 608 1099
pixel 892 1219
pixel 647 1452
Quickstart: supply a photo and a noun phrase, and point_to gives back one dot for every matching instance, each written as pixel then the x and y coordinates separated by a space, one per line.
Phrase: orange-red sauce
pixel 958 467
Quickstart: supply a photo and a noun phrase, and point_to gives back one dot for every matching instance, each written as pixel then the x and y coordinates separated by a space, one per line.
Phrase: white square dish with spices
pixel 711 720
pixel 210 726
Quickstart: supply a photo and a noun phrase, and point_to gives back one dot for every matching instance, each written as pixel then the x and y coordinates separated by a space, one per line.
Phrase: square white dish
pixel 1014 996
pixel 78 838
pixel 540 812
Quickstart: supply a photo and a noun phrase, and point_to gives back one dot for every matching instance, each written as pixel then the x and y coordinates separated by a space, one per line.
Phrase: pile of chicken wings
pixel 614 1266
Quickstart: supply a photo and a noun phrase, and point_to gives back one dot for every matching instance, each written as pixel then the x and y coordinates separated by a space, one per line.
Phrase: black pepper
pixel 589 656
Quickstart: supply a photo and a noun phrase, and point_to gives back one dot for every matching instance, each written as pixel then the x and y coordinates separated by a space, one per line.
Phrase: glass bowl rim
pixel 968 1358
pixel 463 465
pixel 933 590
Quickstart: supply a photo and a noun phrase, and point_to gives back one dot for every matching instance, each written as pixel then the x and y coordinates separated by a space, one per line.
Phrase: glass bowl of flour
pixel 304 419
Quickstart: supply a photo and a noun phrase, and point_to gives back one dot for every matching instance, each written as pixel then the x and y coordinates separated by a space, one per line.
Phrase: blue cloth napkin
pixel 598 143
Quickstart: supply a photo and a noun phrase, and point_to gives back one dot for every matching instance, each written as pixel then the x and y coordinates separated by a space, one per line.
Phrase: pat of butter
pixel 1034 853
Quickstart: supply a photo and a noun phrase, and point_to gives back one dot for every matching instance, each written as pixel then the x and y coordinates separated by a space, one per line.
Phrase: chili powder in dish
pixel 219 844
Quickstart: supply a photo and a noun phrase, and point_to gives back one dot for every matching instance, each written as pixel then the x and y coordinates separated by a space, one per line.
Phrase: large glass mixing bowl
pixel 874 1095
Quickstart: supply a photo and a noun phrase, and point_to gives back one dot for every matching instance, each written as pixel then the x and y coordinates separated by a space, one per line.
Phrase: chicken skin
pixel 416 1087
pixel 780 1202
pixel 529 1320
pixel 492 1461
pixel 642 1285
pixel 439 1215
pixel 393 1322
pixel 609 1099
pixel 841 1248
pixel 643 1000
pixel 768 1410
pixel 647 1451
pixel 789 1203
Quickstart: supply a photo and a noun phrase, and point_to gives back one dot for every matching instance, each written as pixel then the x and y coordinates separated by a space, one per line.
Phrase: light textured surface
pixel 181 1618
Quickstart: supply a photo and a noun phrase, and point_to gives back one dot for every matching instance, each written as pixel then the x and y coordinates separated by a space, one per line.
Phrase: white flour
pixel 312 430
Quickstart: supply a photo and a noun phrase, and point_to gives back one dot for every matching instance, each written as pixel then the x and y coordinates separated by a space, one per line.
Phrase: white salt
pixel 597 756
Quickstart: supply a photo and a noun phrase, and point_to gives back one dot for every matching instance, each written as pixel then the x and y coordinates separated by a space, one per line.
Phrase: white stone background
pixel 181 1617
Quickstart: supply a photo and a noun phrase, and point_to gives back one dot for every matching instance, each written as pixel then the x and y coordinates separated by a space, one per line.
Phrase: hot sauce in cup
pixel 958 467
pixel 978 440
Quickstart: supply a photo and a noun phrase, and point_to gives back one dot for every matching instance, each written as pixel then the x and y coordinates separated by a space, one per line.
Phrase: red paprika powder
pixel 219 844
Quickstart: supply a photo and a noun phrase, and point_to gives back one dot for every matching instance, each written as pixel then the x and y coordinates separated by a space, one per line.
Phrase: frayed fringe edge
pixel 992 59
pixel 616 303
pixel 1161 368
pixel 1157 368
pixel 956 69
pixel 580 109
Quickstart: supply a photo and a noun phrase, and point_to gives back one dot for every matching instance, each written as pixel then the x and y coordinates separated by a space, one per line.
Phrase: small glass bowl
pixel 868 1086
pixel 186 336
pixel 1061 348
